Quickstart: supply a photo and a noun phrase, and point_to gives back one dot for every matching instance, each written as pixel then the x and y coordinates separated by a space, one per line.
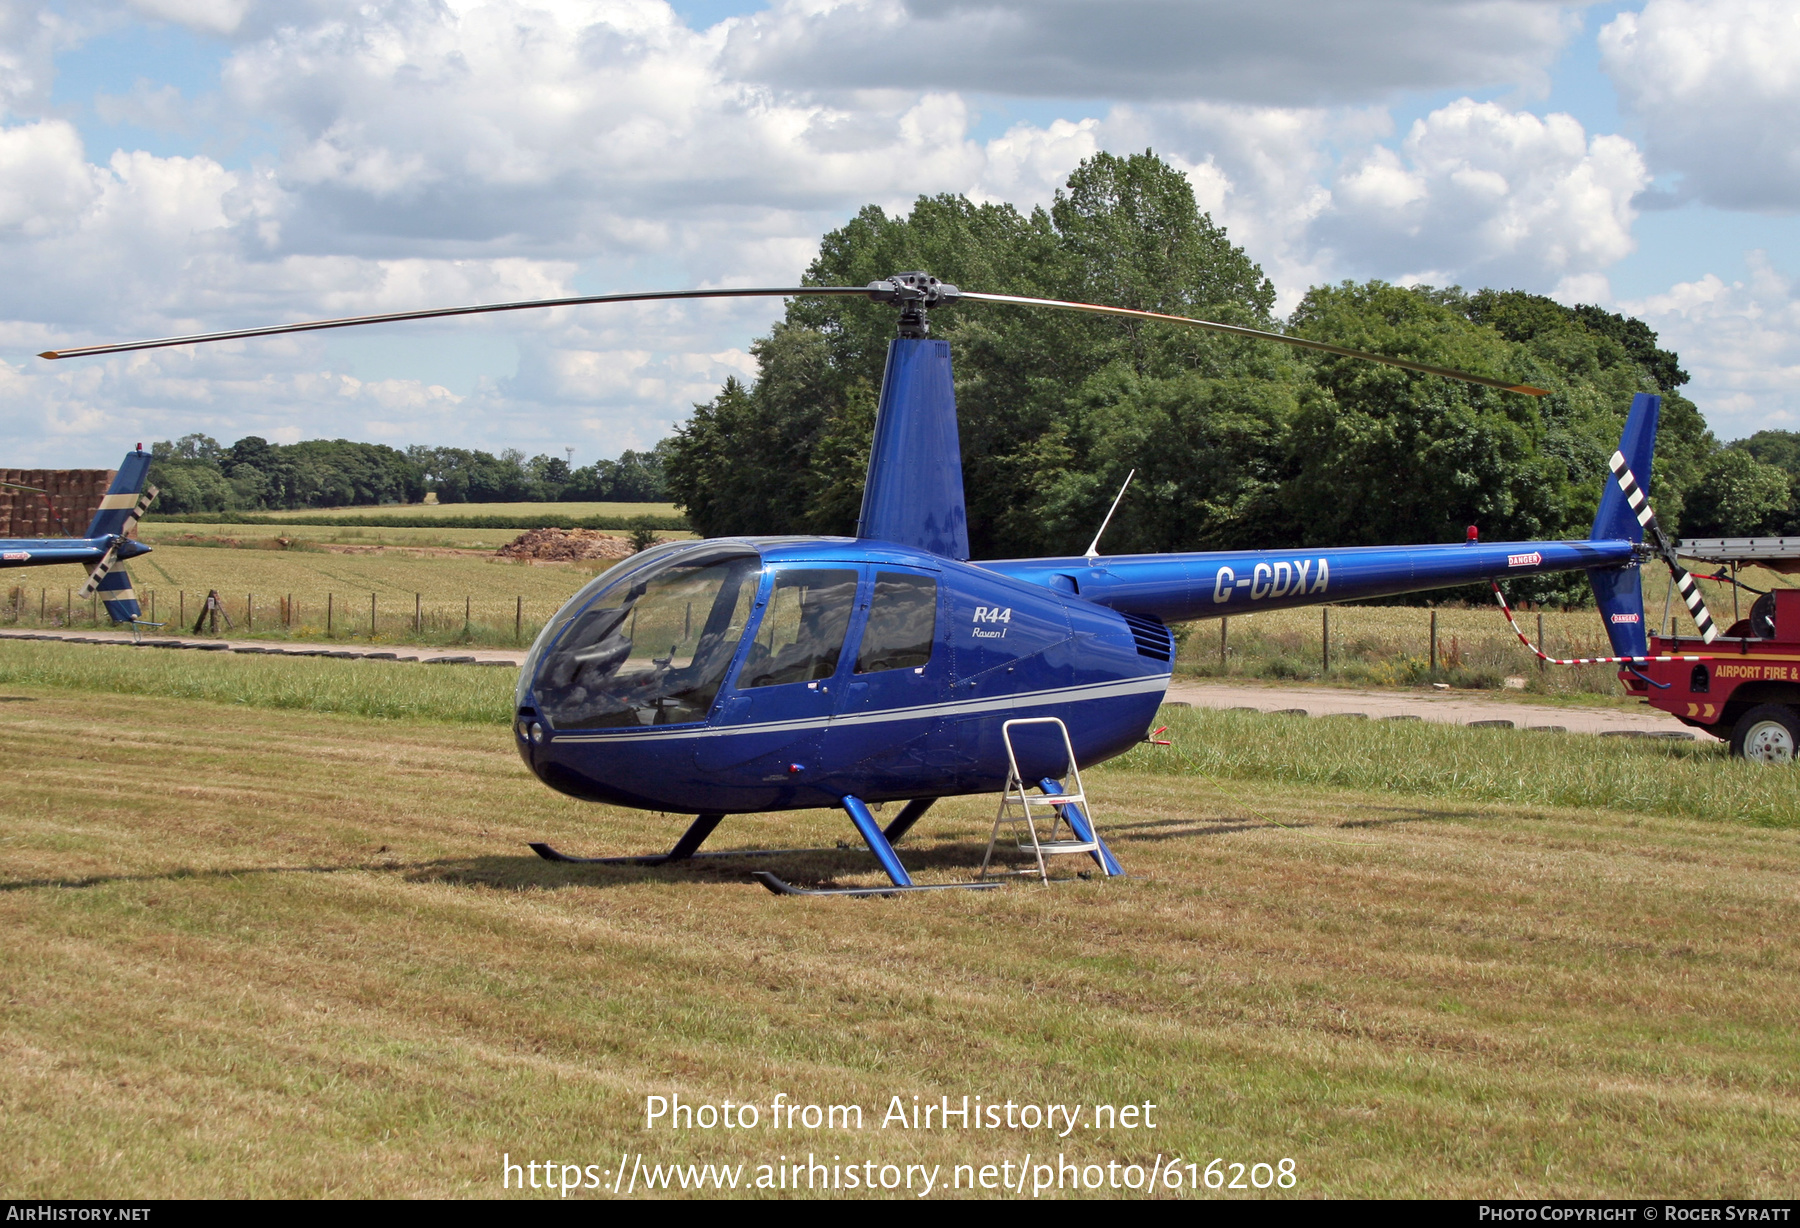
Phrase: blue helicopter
pixel 107 545
pixel 755 674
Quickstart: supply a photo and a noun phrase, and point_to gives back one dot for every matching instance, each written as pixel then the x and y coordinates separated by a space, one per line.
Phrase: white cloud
pixel 1740 341
pixel 1287 52
pixel 1717 84
pixel 44 178
pixel 1485 195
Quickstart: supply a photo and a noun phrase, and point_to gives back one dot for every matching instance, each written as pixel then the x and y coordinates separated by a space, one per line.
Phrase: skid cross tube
pixel 903 822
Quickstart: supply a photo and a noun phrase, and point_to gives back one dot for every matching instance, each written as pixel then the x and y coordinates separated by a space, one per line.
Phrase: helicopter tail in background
pixel 125 503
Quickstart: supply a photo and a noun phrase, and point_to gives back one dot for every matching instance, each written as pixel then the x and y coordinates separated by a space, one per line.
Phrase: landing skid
pixel 659 859
pixel 780 887
pixel 880 843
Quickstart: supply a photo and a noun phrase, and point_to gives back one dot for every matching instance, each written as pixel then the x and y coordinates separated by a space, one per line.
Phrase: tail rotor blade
pixel 1646 517
pixel 1696 604
pixel 100 569
pixel 137 512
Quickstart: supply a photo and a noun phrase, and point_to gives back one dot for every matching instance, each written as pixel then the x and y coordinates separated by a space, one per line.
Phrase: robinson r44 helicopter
pixel 754 674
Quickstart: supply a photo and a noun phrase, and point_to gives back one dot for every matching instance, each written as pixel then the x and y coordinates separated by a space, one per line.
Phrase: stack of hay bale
pixel 73 496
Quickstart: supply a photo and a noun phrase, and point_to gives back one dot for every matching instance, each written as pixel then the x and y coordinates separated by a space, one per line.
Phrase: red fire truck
pixel 1745 685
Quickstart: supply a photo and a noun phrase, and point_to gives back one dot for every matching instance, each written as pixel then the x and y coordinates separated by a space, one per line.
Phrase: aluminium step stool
pixel 1057 805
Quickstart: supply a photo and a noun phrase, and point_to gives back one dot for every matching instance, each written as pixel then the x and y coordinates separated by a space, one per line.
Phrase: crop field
pixel 1414 960
pixel 457 510
pixel 262 536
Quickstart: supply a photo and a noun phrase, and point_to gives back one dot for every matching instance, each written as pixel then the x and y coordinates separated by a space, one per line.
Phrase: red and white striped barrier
pixel 1540 654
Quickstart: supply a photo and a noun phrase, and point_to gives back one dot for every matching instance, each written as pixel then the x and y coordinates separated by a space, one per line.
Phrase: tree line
pixel 198 474
pixel 1237 443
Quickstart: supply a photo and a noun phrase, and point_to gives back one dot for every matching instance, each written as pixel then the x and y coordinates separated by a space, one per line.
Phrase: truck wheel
pixel 1768 733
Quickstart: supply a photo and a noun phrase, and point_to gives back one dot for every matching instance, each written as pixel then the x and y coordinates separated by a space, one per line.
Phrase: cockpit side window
pixel 653 650
pixel 803 628
pixel 902 623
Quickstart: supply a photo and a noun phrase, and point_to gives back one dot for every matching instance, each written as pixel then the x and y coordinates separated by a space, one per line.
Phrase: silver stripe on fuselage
pixel 997 703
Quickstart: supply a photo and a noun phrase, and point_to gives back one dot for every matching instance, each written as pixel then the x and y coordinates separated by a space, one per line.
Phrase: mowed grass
pixel 310 954
pixel 459 694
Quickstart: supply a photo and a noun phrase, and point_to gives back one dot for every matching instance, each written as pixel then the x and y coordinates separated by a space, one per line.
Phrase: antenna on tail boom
pixel 1093 550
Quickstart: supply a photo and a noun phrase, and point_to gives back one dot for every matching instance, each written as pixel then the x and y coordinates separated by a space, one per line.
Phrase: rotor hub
pixel 915 293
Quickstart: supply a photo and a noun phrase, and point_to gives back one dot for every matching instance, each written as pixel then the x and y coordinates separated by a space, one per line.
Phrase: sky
pixel 178 166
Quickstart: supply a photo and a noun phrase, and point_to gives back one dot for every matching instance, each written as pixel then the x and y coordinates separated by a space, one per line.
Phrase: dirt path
pixel 1444 708
pixel 291 648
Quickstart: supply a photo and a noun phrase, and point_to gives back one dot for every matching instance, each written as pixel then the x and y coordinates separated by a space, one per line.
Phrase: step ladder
pixel 1037 824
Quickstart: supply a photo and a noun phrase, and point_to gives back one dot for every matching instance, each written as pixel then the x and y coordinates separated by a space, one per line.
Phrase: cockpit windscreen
pixel 654 649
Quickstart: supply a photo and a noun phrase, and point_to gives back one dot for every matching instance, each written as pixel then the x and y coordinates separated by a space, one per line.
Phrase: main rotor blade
pixel 79 351
pixel 1238 330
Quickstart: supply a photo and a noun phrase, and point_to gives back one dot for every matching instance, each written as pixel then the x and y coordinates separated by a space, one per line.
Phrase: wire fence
pixel 437 619
pixel 1458 646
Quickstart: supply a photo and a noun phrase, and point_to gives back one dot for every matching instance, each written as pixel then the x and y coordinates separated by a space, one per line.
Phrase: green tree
pixel 1235 442
pixel 1737 496
pixel 1782 450
pixel 1033 387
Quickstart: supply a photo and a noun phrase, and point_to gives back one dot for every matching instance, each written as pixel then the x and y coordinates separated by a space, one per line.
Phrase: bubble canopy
pixel 646 643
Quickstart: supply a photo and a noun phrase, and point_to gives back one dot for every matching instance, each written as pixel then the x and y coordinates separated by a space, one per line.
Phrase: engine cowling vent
pixel 1154 640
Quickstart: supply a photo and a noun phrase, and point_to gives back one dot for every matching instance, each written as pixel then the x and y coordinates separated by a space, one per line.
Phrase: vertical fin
pixel 117 508
pixel 1617 521
pixel 1619 591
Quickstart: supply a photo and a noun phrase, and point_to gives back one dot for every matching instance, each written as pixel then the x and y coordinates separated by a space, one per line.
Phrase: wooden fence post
pixel 467 602
pixel 328 613
pixel 1224 624
pixel 418 613
pixel 519 619
pixel 249 613
pixel 182 621
pixel 1325 639
pixel 1434 652
pixel 371 615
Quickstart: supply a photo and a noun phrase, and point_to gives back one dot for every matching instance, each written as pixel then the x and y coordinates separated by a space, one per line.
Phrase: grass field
pixel 260 950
